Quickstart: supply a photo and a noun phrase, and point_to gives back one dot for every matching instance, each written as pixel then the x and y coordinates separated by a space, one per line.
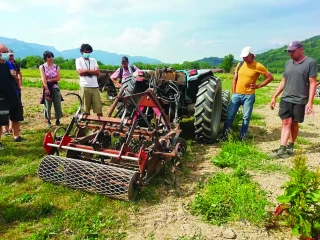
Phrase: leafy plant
pixel 300 201
pixel 230 197
pixel 234 153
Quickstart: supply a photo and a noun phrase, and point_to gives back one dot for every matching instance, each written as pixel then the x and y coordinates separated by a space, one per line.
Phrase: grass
pixel 257 119
pixel 63 84
pixel 35 209
pixel 303 141
pixel 231 197
pixel 234 154
pixel 65 74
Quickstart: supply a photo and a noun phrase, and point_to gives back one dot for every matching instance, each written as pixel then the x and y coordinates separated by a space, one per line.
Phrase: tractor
pixel 183 94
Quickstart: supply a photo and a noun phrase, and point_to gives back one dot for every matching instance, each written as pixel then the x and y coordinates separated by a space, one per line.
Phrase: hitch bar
pixel 94 152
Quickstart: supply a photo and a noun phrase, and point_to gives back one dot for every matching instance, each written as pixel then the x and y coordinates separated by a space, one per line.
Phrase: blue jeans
pixel 237 100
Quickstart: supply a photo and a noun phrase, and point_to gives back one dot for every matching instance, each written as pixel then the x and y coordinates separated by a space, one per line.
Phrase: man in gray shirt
pixel 298 88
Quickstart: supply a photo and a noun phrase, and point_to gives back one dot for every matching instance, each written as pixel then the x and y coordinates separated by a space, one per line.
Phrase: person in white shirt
pixel 88 71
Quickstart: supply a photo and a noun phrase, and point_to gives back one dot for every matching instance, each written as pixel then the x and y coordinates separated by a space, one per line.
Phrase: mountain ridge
pixel 23 49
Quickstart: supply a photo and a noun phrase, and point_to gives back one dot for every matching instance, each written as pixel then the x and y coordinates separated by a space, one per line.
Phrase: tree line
pixel 36 61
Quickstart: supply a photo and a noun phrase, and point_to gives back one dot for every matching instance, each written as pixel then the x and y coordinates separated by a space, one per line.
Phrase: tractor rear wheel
pixel 208 110
pixel 225 104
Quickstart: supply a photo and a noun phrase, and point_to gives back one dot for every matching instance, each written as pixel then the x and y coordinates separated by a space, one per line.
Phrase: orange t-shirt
pixel 248 74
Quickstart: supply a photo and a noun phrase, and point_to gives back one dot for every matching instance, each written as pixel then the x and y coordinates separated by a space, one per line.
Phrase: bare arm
pixel 234 83
pixel 114 77
pixel 277 93
pixel 44 80
pixel 20 79
pixel 269 78
pixel 95 71
pixel 312 91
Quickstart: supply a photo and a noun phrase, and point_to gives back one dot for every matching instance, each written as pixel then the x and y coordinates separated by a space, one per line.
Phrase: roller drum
pixel 107 180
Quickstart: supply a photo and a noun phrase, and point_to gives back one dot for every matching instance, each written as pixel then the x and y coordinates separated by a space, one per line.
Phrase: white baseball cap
pixel 246 51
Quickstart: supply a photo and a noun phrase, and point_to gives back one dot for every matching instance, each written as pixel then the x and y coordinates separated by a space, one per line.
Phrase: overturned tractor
pixel 113 156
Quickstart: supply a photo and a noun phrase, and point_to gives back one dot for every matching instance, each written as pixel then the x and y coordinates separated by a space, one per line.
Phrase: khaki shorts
pixel 91 98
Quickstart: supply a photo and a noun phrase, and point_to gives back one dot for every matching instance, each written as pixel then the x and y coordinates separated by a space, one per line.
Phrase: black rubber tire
pixel 129 84
pixel 208 110
pixel 225 103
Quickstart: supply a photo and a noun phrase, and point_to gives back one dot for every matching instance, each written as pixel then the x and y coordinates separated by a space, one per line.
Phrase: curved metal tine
pixel 80 100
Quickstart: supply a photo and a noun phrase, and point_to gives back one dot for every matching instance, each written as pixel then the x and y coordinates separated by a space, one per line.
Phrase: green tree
pixel 33 61
pixel 227 63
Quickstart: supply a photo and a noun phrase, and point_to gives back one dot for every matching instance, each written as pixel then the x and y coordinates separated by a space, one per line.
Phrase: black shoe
pixel 58 122
pixel 19 139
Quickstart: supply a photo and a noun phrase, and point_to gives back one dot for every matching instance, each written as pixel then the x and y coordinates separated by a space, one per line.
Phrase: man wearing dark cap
pixel 298 88
pixel 123 72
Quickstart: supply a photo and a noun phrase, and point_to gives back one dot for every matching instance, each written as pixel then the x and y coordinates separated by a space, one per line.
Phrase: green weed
pixel 231 197
pixel 245 154
pixel 300 200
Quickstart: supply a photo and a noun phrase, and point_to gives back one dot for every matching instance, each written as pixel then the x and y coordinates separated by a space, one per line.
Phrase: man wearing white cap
pixel 298 86
pixel 243 90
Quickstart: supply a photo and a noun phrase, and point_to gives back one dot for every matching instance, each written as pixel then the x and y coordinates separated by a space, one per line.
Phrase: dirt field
pixel 171 219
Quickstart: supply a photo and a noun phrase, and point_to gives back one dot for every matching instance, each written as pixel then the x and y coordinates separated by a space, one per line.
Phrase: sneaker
pixel 1 146
pixel 279 153
pixel 19 139
pixel 58 122
pixel 48 124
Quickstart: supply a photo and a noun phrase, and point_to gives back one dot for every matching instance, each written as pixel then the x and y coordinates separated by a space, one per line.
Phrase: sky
pixel 168 30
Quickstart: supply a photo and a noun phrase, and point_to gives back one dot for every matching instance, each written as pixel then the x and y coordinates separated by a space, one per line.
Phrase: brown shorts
pixel 292 110
pixel 91 99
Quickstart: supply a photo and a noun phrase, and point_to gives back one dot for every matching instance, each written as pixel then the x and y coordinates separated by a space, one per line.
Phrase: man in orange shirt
pixel 243 90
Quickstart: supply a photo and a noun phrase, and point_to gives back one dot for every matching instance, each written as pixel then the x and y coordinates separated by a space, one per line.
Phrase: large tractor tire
pixel 129 84
pixel 225 104
pixel 208 110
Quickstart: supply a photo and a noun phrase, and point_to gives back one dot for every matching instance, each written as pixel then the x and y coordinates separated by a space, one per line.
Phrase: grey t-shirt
pixel 296 88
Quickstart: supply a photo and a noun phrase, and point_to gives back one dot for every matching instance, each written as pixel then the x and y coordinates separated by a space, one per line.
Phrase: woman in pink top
pixel 50 75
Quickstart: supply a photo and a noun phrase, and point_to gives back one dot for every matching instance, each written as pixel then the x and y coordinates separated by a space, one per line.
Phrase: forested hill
pixel 214 61
pixel 275 59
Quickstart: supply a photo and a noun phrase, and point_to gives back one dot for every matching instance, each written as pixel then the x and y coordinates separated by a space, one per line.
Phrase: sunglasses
pixel 49 56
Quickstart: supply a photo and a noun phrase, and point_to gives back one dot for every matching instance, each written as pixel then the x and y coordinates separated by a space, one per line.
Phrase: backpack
pixel 241 63
pixel 121 71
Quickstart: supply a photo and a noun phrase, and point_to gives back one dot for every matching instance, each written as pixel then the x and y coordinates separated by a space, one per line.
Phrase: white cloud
pixel 8 6
pixel 198 44
pixel 71 26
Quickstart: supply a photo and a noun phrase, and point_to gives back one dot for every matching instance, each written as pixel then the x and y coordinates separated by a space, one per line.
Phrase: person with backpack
pixel 243 90
pixel 123 72
pixel 50 76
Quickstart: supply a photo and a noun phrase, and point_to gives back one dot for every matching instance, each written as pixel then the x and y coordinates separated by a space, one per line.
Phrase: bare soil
pixel 171 217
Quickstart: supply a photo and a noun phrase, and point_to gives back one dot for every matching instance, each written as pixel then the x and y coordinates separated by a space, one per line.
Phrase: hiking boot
pixel 1 146
pixel 290 149
pixel 48 124
pixel 19 139
pixel 279 153
pixel 58 122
